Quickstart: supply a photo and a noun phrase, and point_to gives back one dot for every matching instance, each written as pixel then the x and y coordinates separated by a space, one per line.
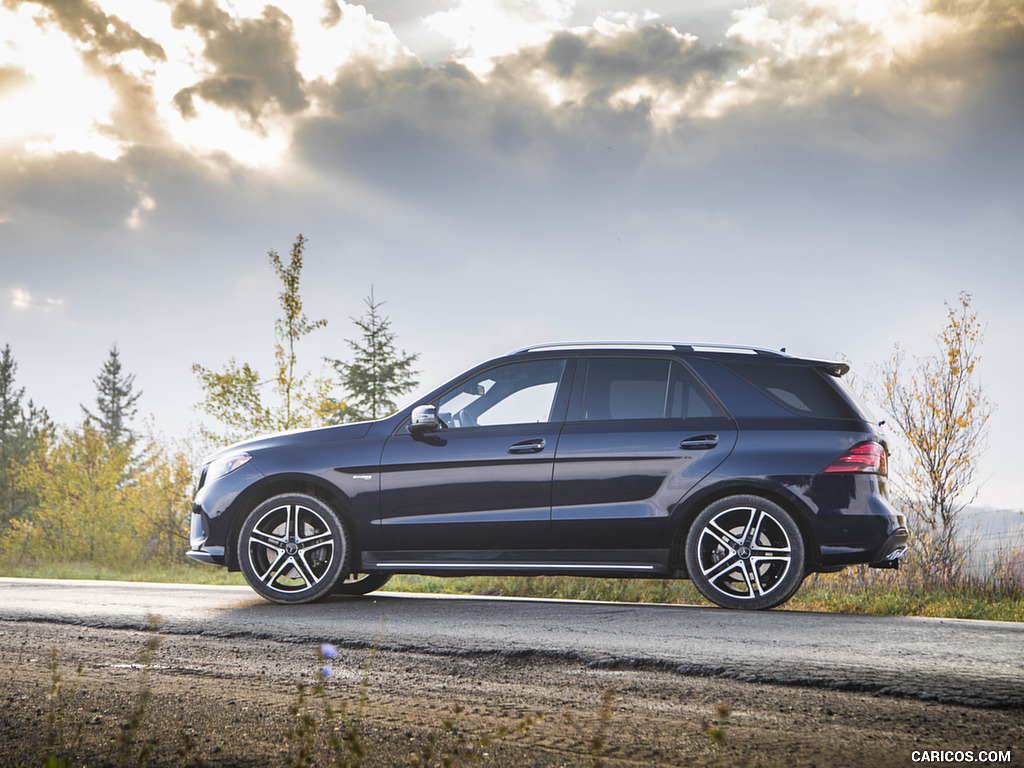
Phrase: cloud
pixel 94 193
pixel 538 111
pixel 483 30
pixel 23 301
pixel 914 58
pixel 823 50
pixel 12 77
pixel 100 33
pixel 331 13
pixel 330 89
pixel 622 67
pixel 861 79
pixel 79 94
pixel 136 218
pixel 254 61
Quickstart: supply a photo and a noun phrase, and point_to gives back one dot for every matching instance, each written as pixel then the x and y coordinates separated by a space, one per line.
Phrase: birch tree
pixel 234 396
pixel 941 414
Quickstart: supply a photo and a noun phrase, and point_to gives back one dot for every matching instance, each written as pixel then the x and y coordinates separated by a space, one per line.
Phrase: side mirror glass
pixel 423 420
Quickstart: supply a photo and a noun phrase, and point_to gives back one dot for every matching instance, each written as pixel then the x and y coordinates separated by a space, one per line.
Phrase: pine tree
pixel 378 373
pixel 20 430
pixel 115 401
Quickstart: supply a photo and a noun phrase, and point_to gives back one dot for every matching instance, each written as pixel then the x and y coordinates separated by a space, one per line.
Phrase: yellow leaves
pixel 82 493
pixel 164 496
pixel 233 397
pixel 94 504
pixel 940 413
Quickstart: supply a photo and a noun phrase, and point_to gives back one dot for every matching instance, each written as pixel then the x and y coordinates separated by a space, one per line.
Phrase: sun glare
pixel 214 131
pixel 57 106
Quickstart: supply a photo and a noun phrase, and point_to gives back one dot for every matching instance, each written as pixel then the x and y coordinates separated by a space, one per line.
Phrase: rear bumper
pixel 892 551
pixel 855 524
pixel 871 539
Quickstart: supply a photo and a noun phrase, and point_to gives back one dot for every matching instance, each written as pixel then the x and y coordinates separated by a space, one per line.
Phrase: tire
pixel 293 548
pixel 361 583
pixel 745 552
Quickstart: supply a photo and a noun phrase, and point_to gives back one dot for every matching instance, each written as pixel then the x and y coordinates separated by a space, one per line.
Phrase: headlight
pixel 226 465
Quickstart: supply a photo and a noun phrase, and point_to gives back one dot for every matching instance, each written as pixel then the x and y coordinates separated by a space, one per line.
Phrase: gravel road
pixel 222 686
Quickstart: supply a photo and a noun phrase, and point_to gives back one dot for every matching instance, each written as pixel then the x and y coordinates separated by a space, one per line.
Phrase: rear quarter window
pixel 802 389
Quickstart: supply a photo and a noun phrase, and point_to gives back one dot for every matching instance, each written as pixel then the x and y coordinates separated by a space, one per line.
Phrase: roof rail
pixel 653 345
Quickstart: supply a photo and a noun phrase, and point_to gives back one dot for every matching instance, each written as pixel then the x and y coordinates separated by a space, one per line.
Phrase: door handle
pixel 528 446
pixel 699 442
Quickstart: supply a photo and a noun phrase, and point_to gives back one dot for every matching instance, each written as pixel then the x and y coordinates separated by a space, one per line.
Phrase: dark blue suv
pixel 741 469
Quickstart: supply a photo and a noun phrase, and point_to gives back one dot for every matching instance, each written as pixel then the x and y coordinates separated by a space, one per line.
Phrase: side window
pixel 625 388
pixel 518 393
pixel 636 388
pixel 687 399
pixel 800 388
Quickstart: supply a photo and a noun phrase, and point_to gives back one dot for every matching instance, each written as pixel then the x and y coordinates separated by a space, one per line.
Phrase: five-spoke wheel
pixel 292 549
pixel 745 552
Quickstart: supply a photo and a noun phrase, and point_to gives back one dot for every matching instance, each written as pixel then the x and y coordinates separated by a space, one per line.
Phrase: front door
pixel 483 481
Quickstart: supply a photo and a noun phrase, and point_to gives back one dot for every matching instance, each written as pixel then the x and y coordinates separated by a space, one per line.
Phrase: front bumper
pixel 207 557
pixel 210 527
pixel 199 532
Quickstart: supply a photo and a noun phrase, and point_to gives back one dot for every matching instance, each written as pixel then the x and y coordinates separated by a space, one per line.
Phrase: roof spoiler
pixel 832 368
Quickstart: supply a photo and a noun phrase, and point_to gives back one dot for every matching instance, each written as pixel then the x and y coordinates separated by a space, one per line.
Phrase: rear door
pixel 640 433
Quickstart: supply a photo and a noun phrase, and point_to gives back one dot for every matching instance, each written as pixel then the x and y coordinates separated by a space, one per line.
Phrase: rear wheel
pixel 293 548
pixel 361 583
pixel 745 552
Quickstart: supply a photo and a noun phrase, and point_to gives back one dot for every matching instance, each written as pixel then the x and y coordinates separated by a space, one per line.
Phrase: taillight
pixel 863 457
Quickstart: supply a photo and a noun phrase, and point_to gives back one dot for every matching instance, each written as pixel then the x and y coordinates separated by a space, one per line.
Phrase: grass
pixel 183 573
pixel 857 590
pixel 972 598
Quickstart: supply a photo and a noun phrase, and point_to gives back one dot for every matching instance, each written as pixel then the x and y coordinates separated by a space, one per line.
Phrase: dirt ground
pixel 231 702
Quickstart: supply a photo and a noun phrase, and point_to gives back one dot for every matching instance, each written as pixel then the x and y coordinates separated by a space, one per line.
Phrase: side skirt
pixel 646 563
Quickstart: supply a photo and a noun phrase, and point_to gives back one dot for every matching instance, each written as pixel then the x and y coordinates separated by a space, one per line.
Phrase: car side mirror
pixel 423 420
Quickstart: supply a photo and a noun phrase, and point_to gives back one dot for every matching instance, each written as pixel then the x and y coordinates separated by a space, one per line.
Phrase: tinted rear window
pixel 642 388
pixel 801 389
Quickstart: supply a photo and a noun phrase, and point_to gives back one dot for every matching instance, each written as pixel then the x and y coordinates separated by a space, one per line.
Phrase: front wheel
pixel 361 583
pixel 745 552
pixel 292 548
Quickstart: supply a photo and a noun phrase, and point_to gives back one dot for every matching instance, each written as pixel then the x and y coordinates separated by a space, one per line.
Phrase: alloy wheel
pixel 745 555
pixel 292 548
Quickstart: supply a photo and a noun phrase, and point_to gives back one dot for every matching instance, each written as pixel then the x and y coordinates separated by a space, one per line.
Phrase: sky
pixel 817 175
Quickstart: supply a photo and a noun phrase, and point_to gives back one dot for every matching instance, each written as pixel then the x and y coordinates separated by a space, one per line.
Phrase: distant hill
pixel 992 535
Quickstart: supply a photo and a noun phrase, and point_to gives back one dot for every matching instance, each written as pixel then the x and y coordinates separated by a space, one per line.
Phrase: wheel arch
pixel 688 510
pixel 276 485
